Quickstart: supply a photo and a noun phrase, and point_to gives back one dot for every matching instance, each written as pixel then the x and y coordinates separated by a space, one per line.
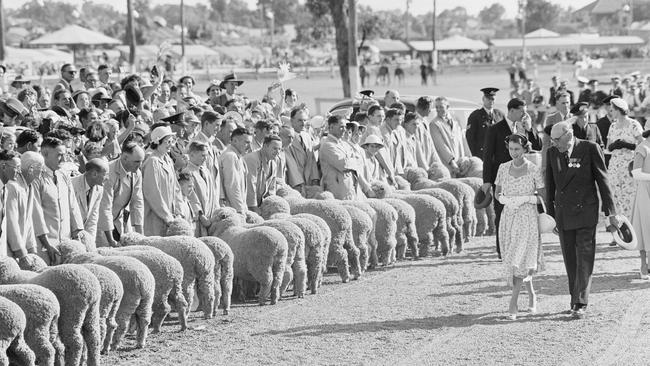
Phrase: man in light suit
pixel 122 206
pixel 575 179
pixel 55 195
pixel 303 152
pixel 205 195
pixel 339 163
pixel 234 170
pixel 15 206
pixel 447 136
pixel 264 171
pixel 563 105
pixel 89 191
pixel 31 220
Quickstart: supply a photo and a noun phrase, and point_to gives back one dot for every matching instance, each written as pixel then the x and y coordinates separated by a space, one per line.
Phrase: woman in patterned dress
pixel 622 139
pixel 641 213
pixel 518 185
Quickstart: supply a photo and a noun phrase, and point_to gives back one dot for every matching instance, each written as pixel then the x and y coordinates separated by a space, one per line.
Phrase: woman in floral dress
pixel 518 183
pixel 622 139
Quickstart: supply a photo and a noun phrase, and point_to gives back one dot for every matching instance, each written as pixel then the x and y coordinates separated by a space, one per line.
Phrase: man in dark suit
pixel 575 175
pixel 480 120
pixel 604 123
pixel 582 129
pixel 495 151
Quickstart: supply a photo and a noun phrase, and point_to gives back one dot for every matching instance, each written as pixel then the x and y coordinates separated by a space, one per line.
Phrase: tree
pixel 541 14
pixel 219 8
pixel 492 14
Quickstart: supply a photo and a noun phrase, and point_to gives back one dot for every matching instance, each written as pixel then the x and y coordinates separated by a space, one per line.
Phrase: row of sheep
pixel 71 313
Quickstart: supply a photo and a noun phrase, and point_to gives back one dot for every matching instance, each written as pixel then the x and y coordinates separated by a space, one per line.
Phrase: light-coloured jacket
pixel 448 139
pixel 161 192
pixel 233 179
pixel 339 166
pixel 89 210
pixel 302 167
pixel 205 197
pixel 262 177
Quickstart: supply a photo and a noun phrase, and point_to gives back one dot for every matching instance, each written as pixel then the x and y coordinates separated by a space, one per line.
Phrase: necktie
pixel 54 179
pixel 89 194
pixel 565 156
pixel 202 174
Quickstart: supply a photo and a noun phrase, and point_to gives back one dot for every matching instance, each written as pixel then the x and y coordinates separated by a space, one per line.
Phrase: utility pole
pixel 406 21
pixel 522 9
pixel 434 51
pixel 130 35
pixel 183 64
pixel 352 47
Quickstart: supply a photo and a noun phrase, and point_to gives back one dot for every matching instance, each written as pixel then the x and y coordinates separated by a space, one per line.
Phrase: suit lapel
pixel 577 153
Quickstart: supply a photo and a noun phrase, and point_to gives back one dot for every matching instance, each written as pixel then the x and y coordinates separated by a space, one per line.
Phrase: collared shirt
pixel 88 199
pixel 233 179
pixel 262 177
pixel 122 191
pixel 55 195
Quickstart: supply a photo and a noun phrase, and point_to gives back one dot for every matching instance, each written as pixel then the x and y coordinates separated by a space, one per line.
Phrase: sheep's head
pixel 414 174
pixel 8 269
pixel 253 218
pixel 274 205
pixel 132 238
pixel 283 190
pixel 438 172
pixel 70 249
pixel 381 189
pixel 32 262
pixel 402 184
pixel 224 218
pixel 324 196
pixel 179 226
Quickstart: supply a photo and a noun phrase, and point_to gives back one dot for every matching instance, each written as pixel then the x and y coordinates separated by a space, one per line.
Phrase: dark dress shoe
pixel 580 313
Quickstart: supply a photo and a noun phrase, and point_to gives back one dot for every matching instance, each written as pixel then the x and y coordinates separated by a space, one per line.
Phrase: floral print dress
pixel 518 230
pixel 620 181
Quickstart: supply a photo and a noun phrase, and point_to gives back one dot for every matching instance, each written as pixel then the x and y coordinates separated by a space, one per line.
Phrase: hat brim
pixel 373 143
pixel 222 85
pixel 482 199
pixel 546 223
pixel 625 237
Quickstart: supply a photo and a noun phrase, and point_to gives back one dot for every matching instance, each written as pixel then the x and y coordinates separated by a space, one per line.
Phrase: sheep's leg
pixel 217 287
pixel 481 222
pixel 353 259
pixel 277 272
pixel 111 325
pixel 266 281
pixel 287 278
pixel 4 345
pixel 442 236
pixel 314 263
pixel 188 289
pixel 205 287
pixel 38 339
pixel 412 240
pixel 299 268
pixel 127 307
pixel 180 304
pixel 55 341
pixel 143 317
pixel 363 250
pixel 160 310
pixel 20 351
pixel 426 241
pixel 70 323
pixel 458 227
pixel 401 244
pixel 90 331
pixel 225 280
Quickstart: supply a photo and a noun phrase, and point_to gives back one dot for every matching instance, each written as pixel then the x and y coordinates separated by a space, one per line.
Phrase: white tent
pixel 453 43
pixel 542 33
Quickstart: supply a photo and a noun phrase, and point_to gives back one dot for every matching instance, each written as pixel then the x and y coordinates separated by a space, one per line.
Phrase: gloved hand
pixel 639 175
pixel 628 145
pixel 615 145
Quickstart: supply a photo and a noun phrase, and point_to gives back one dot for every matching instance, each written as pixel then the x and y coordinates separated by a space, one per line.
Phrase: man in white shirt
pixel 89 191
pixel 234 170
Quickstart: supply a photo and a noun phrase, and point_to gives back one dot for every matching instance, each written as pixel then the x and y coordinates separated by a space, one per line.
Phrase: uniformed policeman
pixel 479 121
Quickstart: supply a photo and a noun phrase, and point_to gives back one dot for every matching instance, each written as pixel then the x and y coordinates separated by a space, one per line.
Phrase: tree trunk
pixel 339 16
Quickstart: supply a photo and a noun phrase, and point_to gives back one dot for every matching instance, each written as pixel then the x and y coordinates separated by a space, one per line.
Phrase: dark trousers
pixel 579 252
pixel 498 208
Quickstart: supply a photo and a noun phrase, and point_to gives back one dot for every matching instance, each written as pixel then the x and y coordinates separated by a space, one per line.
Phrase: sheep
pixel 138 284
pixel 385 233
pixel 253 217
pixel 195 258
pixel 430 217
pixel 402 184
pixel 407 234
pixel 259 253
pixel 364 258
pixel 168 273
pixel 463 193
pixel 340 223
pixel 485 224
pixel 78 293
pixel 452 208
pixel 42 315
pixel 223 272
pixel 109 303
pixel 12 326
pixel 469 167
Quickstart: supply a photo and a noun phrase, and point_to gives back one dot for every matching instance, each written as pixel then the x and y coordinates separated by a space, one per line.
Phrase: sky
pixel 417 6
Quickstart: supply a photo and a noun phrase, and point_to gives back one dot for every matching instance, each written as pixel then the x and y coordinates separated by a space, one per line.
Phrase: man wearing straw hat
pixel 230 83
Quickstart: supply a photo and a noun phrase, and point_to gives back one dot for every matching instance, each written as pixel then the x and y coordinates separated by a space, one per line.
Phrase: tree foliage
pixel 490 15
pixel 541 14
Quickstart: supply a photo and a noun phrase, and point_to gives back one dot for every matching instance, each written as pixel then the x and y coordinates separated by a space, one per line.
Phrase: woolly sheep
pixel 430 217
pixel 259 253
pixel 340 223
pixel 385 233
pixel 12 327
pixel 485 224
pixel 465 195
pixel 364 258
pixel 168 273
pixel 42 315
pixel 452 208
pixel 436 172
pixel 253 218
pixel 138 284
pixel 407 233
pixel 402 184
pixel 195 258
pixel 223 272
pixel 469 167
pixel 78 293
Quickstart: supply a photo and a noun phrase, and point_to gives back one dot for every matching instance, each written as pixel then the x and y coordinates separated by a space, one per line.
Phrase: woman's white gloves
pixel 637 174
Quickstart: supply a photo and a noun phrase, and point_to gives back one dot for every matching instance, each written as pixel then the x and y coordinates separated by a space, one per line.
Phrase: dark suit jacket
pixel 589 133
pixel 478 123
pixel 572 192
pixel 603 125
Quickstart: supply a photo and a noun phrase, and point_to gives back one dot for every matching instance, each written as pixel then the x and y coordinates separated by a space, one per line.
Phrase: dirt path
pixel 435 311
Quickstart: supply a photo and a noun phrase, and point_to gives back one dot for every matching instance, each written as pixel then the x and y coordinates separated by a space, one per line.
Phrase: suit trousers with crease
pixel 498 209
pixel 579 252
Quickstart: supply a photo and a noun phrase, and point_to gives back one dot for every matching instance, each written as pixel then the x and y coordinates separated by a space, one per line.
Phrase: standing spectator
pixel 623 137
pixel 104 72
pixel 55 195
pixel 480 120
pixel 391 97
pixel 189 208
pixel 616 89
pixel 426 151
pixel 210 125
pixel 303 151
pixel 263 171
pixel 160 187
pixel 553 90
pixel 640 213
pixel 68 72
pixel 89 191
pixel 234 170
pixel 262 129
pixel 582 129
pixel 394 138
pixel 206 189
pixel 338 163
pixel 213 92
pixel 604 124
pixel 91 81
pixel 230 83
pixel 122 206
pixel 31 219
pixel 447 136
pixel 13 208
pixel 29 140
pixel 222 137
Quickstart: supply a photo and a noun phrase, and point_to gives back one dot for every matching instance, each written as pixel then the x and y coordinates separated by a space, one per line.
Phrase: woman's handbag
pixel 545 221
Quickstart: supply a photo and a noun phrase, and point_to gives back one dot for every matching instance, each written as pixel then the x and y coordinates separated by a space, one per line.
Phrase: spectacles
pixel 71 71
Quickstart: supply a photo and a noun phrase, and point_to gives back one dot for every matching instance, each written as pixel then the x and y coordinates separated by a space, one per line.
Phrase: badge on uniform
pixel 574 162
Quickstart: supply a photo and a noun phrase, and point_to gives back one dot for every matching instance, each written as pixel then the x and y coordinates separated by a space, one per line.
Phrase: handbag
pixel 545 222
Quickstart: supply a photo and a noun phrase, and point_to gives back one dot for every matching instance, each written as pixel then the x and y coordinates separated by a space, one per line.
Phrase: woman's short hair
pixel 521 140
